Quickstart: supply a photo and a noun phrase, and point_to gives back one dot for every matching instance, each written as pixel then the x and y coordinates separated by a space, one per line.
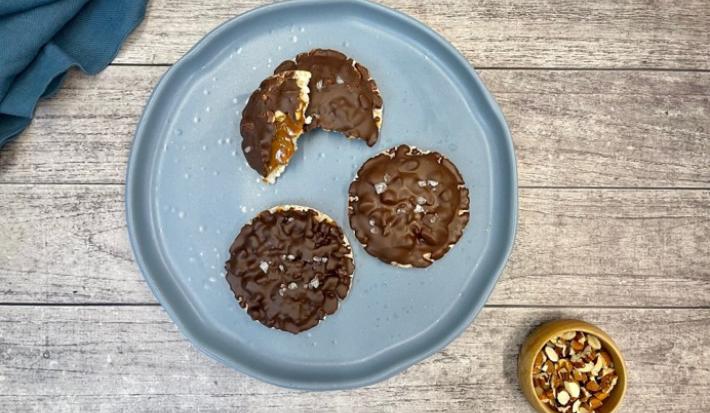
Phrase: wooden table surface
pixel 608 102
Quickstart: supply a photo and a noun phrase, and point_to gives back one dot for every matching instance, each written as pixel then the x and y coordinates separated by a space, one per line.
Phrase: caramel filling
pixel 283 146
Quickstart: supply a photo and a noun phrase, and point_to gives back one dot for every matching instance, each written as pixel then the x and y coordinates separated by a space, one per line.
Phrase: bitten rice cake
pixel 344 98
pixel 273 120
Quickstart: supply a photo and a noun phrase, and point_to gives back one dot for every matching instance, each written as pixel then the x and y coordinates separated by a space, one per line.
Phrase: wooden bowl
pixel 537 339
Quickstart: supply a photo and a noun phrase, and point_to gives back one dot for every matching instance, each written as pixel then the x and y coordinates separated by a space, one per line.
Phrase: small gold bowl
pixel 541 335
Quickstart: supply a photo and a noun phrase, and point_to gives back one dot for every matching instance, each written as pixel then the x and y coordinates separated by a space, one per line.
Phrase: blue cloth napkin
pixel 41 39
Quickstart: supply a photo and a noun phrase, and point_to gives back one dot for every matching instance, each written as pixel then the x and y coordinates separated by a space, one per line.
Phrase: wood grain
pixel 68 244
pixel 509 33
pixel 133 359
pixel 571 128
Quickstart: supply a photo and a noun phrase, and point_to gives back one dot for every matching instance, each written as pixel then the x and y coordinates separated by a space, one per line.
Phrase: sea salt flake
pixel 264 266
pixel 380 187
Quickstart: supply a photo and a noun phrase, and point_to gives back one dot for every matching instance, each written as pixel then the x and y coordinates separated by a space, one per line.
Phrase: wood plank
pixel 68 244
pixel 133 358
pixel 586 128
pixel 571 128
pixel 509 33
pixel 84 133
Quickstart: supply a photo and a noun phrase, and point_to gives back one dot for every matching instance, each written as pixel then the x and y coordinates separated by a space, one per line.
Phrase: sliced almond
pixel 594 342
pixel 576 405
pixel 607 382
pixel 570 335
pixel 587 367
pixel 598 366
pixel 572 388
pixel 563 398
pixel 551 354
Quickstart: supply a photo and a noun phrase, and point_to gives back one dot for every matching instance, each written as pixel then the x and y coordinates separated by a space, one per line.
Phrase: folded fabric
pixel 41 39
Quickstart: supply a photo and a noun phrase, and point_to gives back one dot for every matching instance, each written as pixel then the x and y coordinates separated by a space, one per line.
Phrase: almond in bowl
pixel 570 366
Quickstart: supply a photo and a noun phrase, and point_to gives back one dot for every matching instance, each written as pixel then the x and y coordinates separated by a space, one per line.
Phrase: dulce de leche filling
pixel 272 120
pixel 283 145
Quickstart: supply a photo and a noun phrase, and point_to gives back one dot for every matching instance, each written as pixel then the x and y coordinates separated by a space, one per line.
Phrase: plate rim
pixel 133 185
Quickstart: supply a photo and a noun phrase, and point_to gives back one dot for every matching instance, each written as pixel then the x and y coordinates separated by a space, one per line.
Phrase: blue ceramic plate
pixel 189 192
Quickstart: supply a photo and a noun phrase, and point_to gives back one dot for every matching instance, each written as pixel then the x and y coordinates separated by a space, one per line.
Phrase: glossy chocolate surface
pixel 290 268
pixel 344 98
pixel 408 207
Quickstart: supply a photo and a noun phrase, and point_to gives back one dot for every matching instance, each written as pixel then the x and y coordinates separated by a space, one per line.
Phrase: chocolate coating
pixel 279 92
pixel 344 98
pixel 408 207
pixel 289 268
